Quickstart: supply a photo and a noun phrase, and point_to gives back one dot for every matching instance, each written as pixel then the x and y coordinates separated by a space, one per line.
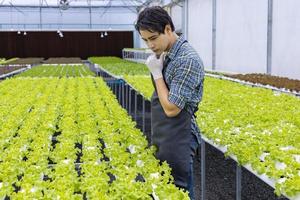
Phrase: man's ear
pixel 168 29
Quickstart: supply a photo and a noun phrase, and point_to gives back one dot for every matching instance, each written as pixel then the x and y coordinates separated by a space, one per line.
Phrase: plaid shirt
pixel 184 76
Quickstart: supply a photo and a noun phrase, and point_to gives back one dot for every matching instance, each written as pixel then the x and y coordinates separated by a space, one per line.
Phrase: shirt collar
pixel 174 49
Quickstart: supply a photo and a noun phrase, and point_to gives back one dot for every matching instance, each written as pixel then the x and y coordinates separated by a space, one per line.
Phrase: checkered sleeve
pixel 188 76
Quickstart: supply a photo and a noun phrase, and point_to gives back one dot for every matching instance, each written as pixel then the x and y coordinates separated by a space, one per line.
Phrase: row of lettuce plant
pixel 141 83
pixel 57 71
pixel 4 61
pixel 134 73
pixel 68 138
pixel 19 155
pixel 258 126
pixel 120 67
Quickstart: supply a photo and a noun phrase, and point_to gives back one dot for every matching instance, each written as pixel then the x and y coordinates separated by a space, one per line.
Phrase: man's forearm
pixel 170 109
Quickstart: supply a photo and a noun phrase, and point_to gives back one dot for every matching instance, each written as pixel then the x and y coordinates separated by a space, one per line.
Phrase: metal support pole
pixel 150 112
pixel 238 182
pixel 143 115
pixel 269 36
pixel 185 20
pixel 214 34
pixel 40 25
pixel 119 93
pixel 129 108
pixel 135 105
pixel 114 88
pixel 123 96
pixel 203 197
pixel 126 96
pixel 90 13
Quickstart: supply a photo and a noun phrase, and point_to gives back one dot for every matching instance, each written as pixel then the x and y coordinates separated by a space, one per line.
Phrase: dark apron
pixel 172 137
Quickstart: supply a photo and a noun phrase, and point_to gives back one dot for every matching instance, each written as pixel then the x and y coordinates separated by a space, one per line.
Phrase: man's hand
pixel 155 65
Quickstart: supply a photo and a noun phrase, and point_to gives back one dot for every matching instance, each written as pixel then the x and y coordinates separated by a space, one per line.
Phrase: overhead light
pixel 25 33
pixel 102 35
pixel 19 32
pixel 60 33
pixel 105 33
pixel 63 4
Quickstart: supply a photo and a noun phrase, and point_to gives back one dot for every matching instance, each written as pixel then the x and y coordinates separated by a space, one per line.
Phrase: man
pixel 177 75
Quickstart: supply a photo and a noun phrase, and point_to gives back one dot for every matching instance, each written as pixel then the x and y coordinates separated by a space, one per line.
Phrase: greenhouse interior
pixel 140 99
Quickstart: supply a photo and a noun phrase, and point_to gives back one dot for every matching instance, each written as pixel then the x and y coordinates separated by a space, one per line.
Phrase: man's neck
pixel 173 40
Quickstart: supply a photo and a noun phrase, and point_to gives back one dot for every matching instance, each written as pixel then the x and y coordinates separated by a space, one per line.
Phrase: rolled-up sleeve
pixel 187 77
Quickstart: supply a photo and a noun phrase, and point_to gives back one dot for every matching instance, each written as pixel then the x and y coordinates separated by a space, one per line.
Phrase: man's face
pixel 157 42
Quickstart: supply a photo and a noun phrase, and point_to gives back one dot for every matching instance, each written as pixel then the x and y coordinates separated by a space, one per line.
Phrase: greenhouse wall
pixel 286 38
pixel 201 22
pixel 241 35
pixel 74 18
pixel 176 14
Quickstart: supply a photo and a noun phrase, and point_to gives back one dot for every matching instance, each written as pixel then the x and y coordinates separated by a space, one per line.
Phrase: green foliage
pixel 258 126
pixel 120 67
pixel 142 84
pixel 57 71
pixel 53 120
pixel 4 61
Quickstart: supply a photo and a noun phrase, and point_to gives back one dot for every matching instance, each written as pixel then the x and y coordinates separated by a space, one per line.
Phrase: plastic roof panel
pixel 72 3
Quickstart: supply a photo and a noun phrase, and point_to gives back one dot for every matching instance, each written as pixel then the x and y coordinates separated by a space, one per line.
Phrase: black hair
pixel 154 19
